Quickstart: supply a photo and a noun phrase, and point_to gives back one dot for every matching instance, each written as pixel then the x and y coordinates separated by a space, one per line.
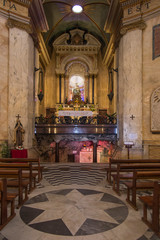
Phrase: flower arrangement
pixel 60 107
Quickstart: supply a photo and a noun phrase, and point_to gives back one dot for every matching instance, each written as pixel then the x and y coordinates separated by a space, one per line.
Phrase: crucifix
pixel 132 117
pixel 18 116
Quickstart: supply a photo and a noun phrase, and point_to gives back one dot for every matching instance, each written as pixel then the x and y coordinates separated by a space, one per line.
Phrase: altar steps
pixel 75 174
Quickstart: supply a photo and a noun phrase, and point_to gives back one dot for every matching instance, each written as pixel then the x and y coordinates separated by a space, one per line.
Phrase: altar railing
pixel 99 119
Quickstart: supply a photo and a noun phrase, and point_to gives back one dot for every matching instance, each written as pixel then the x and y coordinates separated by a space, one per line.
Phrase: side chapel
pixel 81 83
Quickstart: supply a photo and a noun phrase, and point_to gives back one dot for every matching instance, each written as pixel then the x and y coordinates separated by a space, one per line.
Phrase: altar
pixel 75 113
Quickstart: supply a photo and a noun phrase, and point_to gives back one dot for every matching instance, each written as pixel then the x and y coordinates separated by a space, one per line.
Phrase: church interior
pixel 79 86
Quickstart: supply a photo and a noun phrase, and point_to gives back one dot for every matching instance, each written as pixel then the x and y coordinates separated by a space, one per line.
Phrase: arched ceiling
pixel 61 19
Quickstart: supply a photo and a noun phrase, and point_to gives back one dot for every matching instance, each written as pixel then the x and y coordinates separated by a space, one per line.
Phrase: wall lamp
pixel 40 84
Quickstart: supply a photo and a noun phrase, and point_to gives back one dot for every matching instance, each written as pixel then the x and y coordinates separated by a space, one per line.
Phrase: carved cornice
pixel 14 23
pixel 25 3
pixel 87 49
pixel 140 25
pixel 131 3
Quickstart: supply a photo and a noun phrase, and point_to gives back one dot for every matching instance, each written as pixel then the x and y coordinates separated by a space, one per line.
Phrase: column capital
pixel 139 25
pixel 11 23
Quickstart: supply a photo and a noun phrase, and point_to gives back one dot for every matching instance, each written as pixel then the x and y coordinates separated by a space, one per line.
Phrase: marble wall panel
pixel 130 74
pixel 21 66
pixel 3 79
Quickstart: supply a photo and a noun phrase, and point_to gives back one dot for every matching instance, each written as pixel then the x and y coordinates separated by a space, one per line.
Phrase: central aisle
pixel 74 202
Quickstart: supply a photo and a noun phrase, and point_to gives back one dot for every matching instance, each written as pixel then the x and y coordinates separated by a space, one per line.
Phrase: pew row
pixel 113 164
pixel 14 180
pixel 35 164
pixel 125 171
pixel 152 203
pixel 6 199
pixel 139 183
pixel 27 172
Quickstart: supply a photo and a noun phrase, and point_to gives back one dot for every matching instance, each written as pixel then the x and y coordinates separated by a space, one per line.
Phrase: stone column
pixel 86 88
pixel 36 79
pixel 57 152
pixel 90 88
pixel 130 87
pixel 95 89
pixel 57 77
pixel 62 88
pixel 4 78
pixel 95 151
pixel 21 84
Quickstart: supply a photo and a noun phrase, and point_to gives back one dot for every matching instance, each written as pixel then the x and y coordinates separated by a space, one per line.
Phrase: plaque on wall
pixel 155 111
pixel 156 41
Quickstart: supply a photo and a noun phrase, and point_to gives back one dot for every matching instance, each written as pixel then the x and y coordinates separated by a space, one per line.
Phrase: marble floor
pixel 75 202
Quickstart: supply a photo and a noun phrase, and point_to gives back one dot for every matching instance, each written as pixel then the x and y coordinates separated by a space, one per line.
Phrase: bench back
pixel 3 191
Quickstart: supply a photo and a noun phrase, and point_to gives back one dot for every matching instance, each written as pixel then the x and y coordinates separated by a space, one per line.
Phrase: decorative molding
pixel 140 25
pixel 87 49
pixel 25 3
pixel 131 3
pixel 11 23
pixel 39 24
pixel 155 111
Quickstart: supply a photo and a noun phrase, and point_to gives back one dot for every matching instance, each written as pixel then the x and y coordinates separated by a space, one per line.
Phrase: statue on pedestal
pixel 18 134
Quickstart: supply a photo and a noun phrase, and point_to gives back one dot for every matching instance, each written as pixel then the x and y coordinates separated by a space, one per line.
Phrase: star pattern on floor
pixel 74 212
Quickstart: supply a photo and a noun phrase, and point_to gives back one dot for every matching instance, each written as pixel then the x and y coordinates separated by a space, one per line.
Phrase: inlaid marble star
pixel 74 209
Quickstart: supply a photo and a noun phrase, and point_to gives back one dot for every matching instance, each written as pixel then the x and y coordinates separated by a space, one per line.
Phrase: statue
pixel 18 134
pixel 76 90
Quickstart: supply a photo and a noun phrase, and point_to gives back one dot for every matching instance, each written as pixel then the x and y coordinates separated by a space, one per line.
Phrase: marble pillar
pixel 130 88
pixel 21 84
pixel 4 79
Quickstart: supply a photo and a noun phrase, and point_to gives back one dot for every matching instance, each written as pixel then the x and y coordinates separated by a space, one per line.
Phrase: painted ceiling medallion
pixel 77 9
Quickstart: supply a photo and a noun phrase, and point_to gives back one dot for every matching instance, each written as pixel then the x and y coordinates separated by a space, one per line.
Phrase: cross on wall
pixel 132 117
pixel 18 116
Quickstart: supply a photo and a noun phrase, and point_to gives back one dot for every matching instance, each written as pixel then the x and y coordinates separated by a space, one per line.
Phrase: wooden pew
pixel 113 164
pixel 125 171
pixel 138 183
pixel 35 164
pixel 26 172
pixel 14 180
pixel 152 203
pixel 5 199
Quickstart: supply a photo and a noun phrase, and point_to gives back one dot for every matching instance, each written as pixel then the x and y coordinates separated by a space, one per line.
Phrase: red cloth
pixel 15 153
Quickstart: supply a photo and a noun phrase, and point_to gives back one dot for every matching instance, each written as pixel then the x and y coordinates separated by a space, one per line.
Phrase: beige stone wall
pixel 3 79
pixel 21 84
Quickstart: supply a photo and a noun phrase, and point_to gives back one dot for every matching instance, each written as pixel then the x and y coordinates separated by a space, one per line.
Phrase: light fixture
pixel 77 9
